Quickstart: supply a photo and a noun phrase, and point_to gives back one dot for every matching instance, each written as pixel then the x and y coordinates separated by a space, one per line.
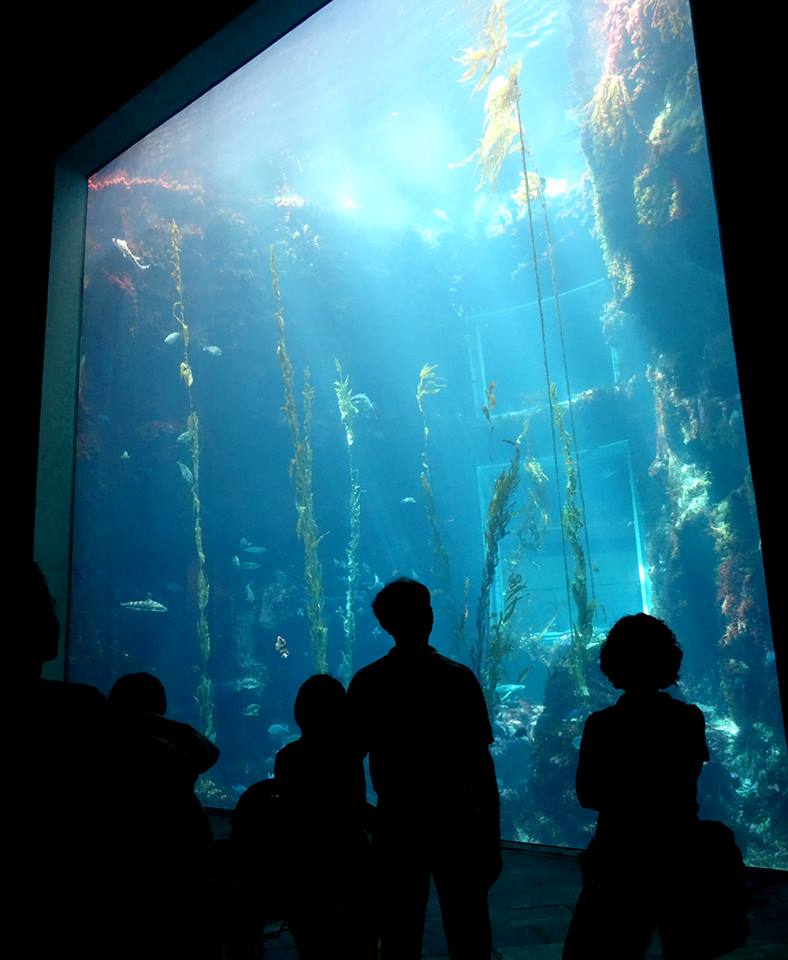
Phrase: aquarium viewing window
pixel 424 289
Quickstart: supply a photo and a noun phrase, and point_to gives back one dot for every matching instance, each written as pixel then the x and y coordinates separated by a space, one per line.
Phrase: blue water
pixel 338 148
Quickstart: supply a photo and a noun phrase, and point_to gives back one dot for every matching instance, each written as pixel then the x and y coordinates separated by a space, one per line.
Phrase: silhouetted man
pixel 423 721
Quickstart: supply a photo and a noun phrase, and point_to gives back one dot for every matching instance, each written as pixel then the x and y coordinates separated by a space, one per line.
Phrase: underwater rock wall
pixel 643 136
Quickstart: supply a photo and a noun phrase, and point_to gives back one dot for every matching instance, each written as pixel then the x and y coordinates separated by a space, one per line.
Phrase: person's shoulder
pixel 368 673
pixel 77 697
pixel 452 668
pixel 690 712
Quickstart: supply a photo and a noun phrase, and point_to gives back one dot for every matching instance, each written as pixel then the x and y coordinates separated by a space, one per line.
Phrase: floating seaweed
pixel 300 470
pixel 487 652
pixel 205 686
pixel 430 384
pixel 348 411
pixel 504 134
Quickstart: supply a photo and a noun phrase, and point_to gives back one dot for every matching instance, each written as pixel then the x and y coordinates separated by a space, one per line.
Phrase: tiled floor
pixel 532 903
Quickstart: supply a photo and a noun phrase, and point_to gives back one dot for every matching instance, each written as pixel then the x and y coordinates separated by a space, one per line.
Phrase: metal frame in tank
pixel 244 38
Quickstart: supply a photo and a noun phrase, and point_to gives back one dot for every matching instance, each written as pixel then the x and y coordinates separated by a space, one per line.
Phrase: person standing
pixel 422 720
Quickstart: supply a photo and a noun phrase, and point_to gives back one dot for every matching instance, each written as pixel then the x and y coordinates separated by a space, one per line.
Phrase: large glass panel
pixel 426 289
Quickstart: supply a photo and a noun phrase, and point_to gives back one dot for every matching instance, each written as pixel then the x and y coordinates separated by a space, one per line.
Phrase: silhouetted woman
pixel 639 765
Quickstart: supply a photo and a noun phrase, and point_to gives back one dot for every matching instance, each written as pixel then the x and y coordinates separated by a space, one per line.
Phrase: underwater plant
pixel 300 470
pixel 504 134
pixel 348 411
pixel 430 384
pixel 485 57
pixel 491 646
pixel 205 686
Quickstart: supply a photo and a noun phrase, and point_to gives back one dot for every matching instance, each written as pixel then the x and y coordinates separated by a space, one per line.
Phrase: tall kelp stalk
pixel 429 384
pixel 300 470
pixel 504 134
pixel 205 686
pixel 350 405
pixel 492 646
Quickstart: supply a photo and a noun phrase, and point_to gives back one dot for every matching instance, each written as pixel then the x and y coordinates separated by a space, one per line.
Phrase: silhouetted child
pixel 179 832
pixel 423 720
pixel 639 765
pixel 321 785
pixel 142 698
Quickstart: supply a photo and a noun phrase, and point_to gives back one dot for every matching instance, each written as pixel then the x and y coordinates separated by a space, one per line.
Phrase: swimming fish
pixel 279 730
pixel 253 710
pixel 124 249
pixel 253 549
pixel 214 351
pixel 236 562
pixel 125 455
pixel 145 606
pixel 247 565
pixel 281 648
pixel 506 690
pixel 172 337
pixel 408 500
pixel 249 594
pixel 185 472
pixel 185 438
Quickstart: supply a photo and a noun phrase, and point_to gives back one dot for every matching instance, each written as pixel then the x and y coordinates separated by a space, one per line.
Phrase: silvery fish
pixel 145 606
pixel 214 351
pixel 248 565
pixel 185 438
pixel 172 337
pixel 185 472
pixel 124 249
pixel 253 710
pixel 251 549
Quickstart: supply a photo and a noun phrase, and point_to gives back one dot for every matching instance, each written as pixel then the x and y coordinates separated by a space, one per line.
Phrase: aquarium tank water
pixel 433 290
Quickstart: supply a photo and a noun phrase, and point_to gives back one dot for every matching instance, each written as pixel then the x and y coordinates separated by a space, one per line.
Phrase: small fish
pixel 279 730
pixel 253 710
pixel 184 439
pixel 185 472
pixel 145 606
pixel 236 561
pixel 125 455
pixel 247 683
pixel 300 612
pixel 124 249
pixel 173 337
pixel 506 690
pixel 281 648
pixel 243 542
pixel 408 500
pixel 248 565
pixel 253 549
pixel 214 351
pixel 576 742
pixel 249 594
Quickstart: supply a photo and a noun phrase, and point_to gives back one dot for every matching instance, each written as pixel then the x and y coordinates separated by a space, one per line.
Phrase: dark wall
pixel 79 67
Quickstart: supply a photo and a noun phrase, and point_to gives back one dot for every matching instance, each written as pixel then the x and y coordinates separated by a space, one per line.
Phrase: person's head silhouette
pixel 404 610
pixel 641 653
pixel 320 706
pixel 139 692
